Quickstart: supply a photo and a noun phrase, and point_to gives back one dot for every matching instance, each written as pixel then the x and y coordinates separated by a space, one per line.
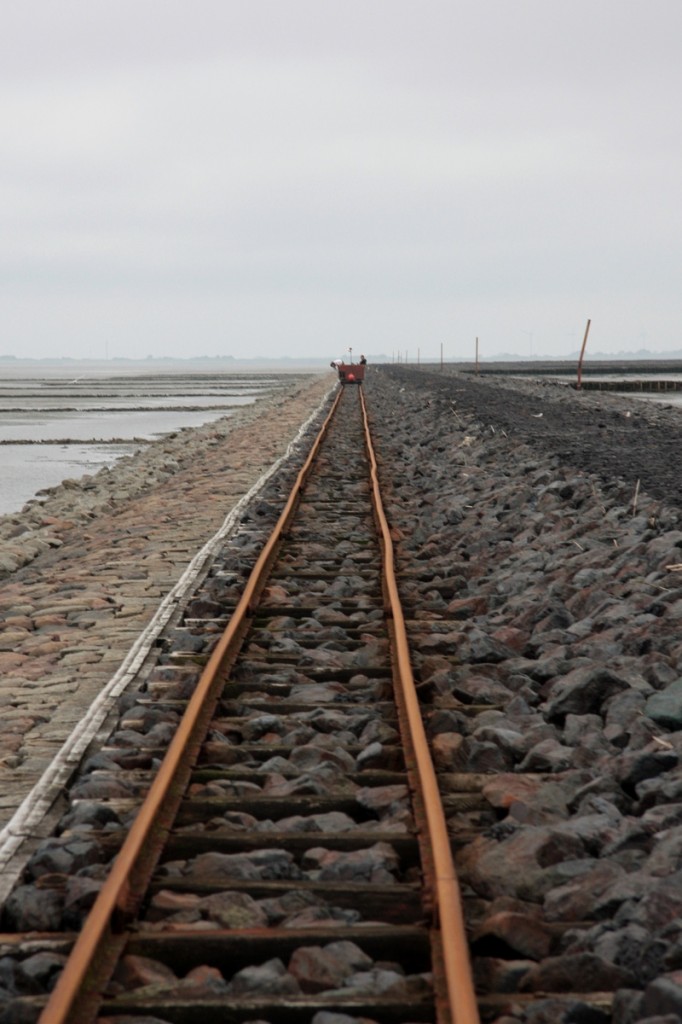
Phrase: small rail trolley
pixel 350 372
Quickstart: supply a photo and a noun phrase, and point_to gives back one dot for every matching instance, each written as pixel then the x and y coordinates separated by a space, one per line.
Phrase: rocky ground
pixel 598 432
pixel 547 585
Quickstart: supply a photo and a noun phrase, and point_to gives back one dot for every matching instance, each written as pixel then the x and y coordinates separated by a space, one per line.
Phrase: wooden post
pixel 582 353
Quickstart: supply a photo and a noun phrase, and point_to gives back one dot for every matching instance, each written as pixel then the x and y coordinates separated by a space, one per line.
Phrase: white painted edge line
pixel 37 803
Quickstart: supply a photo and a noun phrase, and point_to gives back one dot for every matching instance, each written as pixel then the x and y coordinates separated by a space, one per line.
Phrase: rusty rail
pixel 448 918
pixel 77 994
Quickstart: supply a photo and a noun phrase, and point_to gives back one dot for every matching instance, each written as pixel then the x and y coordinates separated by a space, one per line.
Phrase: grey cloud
pixel 278 176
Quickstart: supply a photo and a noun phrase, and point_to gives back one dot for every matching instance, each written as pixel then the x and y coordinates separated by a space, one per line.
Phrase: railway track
pixel 290 864
pixel 261 837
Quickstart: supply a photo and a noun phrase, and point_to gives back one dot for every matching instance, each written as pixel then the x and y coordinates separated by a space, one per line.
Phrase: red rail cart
pixel 351 373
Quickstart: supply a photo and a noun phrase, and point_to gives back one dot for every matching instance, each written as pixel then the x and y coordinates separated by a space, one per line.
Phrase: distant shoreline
pixel 19 373
pixel 599 362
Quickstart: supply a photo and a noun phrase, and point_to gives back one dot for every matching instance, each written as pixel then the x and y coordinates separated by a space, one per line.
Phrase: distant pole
pixel 405 357
pixel 418 356
pixel 477 354
pixel 441 357
pixel 582 354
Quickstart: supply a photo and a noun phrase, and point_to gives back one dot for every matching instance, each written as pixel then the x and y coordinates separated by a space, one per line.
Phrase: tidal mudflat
pixel 60 425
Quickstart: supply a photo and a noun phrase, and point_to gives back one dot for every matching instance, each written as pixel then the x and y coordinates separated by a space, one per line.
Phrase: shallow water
pixel 110 412
pixel 99 426
pixel 29 468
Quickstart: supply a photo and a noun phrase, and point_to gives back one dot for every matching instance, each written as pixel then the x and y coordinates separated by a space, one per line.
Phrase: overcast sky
pixel 290 177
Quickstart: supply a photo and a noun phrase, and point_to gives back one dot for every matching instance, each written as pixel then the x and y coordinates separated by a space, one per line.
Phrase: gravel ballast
pixel 546 584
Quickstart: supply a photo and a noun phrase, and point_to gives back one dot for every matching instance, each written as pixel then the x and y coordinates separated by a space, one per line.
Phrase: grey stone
pixel 261 864
pixel 634 768
pixel 88 815
pixel 547 756
pixel 371 757
pixel 233 910
pixel 318 968
pixel 79 895
pixel 582 691
pixel 579 972
pixel 375 982
pixel 65 855
pixel 634 948
pixel 309 757
pixel 660 904
pixel 38 973
pixel 663 996
pixel 332 821
pixel 383 800
pixel 665 706
pixel 270 978
pixel 30 909
pixel 526 864
pixel 575 901
pixel 379 864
